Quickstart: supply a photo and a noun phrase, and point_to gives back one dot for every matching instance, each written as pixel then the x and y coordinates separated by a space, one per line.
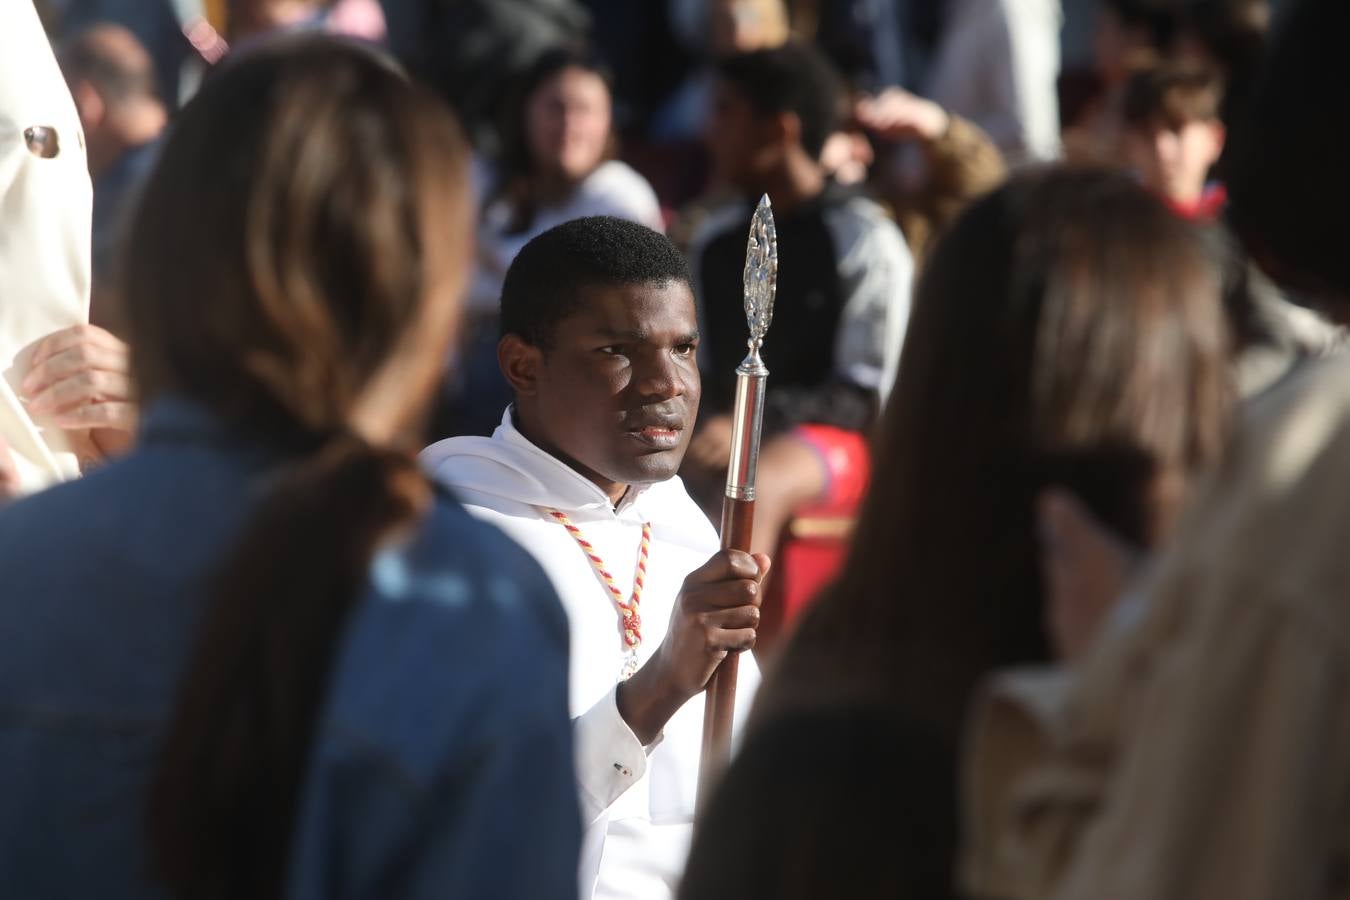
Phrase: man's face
pixel 737 138
pixel 617 392
pixel 1174 161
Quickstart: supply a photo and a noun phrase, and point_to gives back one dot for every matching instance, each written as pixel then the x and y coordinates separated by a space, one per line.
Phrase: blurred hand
pixel 847 156
pixel 898 115
pixel 1085 566
pixel 78 380
pixel 716 613
pixel 9 474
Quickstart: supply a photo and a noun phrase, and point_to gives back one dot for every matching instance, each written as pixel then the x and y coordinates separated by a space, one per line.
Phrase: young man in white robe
pixel 47 200
pixel 599 344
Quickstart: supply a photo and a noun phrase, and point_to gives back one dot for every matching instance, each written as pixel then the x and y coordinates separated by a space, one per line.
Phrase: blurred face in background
pixel 738 138
pixel 567 124
pixel 743 26
pixel 251 17
pixel 1174 159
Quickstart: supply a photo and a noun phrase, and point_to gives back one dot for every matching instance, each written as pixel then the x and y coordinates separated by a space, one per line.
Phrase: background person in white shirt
pixel 63 387
pixel 997 64
pixel 599 346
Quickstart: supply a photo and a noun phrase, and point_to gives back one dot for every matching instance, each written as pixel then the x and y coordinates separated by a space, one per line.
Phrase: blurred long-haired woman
pixel 1067 343
pixel 260 657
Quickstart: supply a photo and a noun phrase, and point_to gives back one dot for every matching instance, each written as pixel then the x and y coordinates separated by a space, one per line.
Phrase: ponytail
pixel 223 801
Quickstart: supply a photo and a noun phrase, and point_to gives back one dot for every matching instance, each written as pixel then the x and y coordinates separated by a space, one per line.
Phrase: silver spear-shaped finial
pixel 761 272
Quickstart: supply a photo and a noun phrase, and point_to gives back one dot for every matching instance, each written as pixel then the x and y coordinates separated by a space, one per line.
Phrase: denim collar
pixel 174 420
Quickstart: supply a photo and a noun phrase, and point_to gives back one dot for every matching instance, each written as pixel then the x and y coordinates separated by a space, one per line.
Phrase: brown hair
pixel 1068 330
pixel 1173 95
pixel 286 257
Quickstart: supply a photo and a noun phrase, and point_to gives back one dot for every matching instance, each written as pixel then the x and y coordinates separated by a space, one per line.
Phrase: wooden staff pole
pixel 738 505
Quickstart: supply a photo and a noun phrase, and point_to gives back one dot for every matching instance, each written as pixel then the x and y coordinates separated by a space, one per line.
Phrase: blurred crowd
pixel 661 113
pixel 1045 577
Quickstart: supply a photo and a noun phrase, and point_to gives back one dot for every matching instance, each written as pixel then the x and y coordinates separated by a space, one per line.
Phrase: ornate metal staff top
pixel 761 283
pixel 761 272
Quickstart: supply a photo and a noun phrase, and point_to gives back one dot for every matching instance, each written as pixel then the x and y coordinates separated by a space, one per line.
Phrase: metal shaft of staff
pixel 738 504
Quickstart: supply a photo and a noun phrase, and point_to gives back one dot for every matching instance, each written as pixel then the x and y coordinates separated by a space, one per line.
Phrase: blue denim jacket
pixel 442 765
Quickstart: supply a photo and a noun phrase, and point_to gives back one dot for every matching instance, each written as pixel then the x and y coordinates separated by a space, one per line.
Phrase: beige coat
pixel 45 216
pixel 961 165
pixel 1203 750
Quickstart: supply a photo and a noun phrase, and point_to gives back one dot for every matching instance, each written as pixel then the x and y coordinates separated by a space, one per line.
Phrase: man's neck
pixel 797 180
pixel 613 490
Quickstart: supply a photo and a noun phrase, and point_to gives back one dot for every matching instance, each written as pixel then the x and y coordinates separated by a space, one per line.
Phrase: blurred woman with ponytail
pixel 260 657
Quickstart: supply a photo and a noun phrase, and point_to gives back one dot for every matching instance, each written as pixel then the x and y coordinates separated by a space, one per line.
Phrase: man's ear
pixel 520 362
pixel 88 104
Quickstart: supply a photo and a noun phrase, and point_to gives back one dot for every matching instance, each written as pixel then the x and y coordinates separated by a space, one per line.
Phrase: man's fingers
pixel 79 389
pixel 723 595
pixel 113 414
pixel 731 578
pixel 733 640
pixel 68 361
pixel 736 617
pixel 78 378
pixel 725 565
pixel 74 336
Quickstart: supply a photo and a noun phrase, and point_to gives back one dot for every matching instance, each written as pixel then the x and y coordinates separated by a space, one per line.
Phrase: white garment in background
pixel 637 803
pixel 46 208
pixel 998 66
pixel 613 189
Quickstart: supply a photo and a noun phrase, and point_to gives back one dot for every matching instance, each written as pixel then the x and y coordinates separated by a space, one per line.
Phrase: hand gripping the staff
pixel 716 613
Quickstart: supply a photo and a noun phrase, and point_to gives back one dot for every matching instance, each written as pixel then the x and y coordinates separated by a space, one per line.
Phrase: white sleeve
pixel 614 189
pixel 998 65
pixel 610 759
pixel 1032 77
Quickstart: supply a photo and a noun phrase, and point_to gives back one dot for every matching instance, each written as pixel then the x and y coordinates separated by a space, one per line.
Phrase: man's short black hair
pixel 545 281
pixel 1174 94
pixel 1156 19
pixel 792 78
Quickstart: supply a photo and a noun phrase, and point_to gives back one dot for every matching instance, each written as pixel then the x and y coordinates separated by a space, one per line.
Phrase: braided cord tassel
pixel 628 607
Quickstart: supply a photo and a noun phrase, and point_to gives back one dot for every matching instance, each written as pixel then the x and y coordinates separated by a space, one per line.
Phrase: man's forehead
pixel 639 309
pixel 727 93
